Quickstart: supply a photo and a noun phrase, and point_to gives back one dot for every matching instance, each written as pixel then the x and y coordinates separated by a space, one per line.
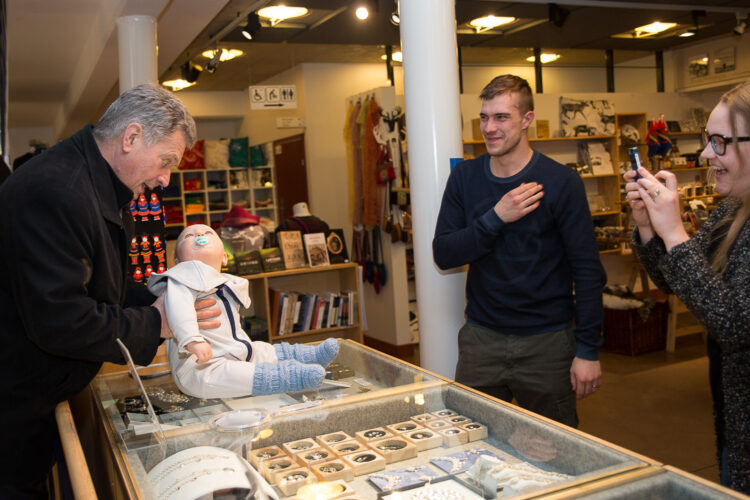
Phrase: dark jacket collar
pixel 113 196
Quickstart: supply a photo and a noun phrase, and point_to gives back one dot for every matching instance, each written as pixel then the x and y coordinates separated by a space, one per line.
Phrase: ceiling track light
pixel 363 9
pixel 741 25
pixel 213 63
pixel 190 72
pixel 252 26
pixel 557 14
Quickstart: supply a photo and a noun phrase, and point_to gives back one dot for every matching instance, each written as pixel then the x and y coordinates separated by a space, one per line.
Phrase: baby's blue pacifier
pixel 202 240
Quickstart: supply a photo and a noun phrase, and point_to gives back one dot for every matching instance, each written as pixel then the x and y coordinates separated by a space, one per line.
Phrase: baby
pixel 224 362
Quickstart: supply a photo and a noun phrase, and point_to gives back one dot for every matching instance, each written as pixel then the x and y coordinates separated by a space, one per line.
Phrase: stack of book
pixel 293 312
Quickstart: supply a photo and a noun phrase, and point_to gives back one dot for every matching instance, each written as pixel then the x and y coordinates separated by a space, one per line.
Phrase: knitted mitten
pixel 286 376
pixel 321 354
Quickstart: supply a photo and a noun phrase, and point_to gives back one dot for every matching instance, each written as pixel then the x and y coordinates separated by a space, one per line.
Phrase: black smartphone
pixel 635 160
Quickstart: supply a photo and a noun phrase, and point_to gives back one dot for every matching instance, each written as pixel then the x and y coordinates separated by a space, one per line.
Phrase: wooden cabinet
pixel 206 196
pixel 319 280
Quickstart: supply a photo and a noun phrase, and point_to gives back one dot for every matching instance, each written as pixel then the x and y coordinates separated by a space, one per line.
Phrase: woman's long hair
pixel 737 101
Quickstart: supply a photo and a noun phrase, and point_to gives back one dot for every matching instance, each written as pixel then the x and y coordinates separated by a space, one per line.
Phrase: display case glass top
pixel 384 429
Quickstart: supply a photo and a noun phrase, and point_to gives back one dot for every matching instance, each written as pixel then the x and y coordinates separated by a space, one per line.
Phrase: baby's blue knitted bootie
pixel 286 376
pixel 321 354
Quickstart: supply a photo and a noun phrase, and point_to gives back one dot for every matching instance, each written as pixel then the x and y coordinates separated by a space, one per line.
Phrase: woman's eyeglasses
pixel 719 142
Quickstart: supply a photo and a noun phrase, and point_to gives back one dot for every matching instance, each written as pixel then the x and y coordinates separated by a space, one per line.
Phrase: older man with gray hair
pixel 65 297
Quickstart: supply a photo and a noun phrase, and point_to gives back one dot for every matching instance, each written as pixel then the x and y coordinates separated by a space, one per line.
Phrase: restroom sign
pixel 273 96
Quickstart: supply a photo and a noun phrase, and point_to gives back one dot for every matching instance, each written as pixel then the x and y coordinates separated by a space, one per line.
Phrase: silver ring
pixel 655 193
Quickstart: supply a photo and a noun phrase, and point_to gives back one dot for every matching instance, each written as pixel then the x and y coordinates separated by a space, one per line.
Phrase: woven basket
pixel 626 333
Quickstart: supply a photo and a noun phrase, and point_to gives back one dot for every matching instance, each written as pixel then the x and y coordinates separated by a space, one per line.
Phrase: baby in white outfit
pixel 223 362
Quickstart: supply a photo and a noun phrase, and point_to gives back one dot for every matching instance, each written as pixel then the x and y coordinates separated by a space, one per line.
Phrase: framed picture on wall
pixel 698 66
pixel 724 60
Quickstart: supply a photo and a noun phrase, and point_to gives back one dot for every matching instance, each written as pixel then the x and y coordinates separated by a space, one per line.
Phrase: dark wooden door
pixel 291 173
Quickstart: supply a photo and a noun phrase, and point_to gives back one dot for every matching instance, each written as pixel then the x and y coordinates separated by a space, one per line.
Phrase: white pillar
pixel 433 123
pixel 136 39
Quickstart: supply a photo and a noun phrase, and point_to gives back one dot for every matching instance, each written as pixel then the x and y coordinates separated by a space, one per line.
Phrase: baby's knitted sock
pixel 322 353
pixel 286 376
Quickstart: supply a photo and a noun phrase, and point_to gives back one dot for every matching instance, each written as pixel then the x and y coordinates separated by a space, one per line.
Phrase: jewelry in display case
pixel 400 479
pixel 364 462
pixel 372 434
pixel 333 469
pixel 402 427
pixel 394 449
pixel 453 436
pixel 424 439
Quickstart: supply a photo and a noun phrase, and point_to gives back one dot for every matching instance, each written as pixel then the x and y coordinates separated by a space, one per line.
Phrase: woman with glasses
pixel 710 272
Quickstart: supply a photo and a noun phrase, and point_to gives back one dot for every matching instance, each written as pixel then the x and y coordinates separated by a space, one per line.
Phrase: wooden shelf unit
pixel 237 186
pixel 680 322
pixel 319 280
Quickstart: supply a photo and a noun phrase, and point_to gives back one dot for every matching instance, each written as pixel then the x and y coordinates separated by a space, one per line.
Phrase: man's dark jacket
pixel 63 262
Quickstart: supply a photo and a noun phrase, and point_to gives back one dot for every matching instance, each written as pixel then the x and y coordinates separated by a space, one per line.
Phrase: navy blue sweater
pixel 522 274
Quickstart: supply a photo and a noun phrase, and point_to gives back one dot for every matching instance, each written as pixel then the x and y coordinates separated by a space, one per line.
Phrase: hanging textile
pixel 372 191
pixel 354 176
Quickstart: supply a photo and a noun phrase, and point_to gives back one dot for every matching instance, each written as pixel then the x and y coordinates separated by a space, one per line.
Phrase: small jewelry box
pixel 364 462
pixel 444 413
pixel 424 439
pixel 294 447
pixel 372 434
pixel 257 457
pixel 332 470
pixel 394 449
pixel 475 430
pixel 314 456
pixel 292 480
pixel 271 468
pixel 423 418
pixel 453 436
pixel 402 427
pixel 348 447
pixel 333 438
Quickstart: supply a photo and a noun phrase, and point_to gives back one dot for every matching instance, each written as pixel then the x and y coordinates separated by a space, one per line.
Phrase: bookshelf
pixel 317 280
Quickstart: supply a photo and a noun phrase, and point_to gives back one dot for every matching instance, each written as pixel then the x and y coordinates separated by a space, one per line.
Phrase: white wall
pixel 19 137
pixel 217 129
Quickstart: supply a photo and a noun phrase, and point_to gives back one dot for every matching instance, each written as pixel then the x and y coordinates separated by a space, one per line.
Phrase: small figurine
pixel 658 140
pixel 138 275
pixel 154 207
pixel 145 248
pixel 142 207
pixel 133 209
pixel 159 249
pixel 149 271
pixel 134 252
pixel 160 268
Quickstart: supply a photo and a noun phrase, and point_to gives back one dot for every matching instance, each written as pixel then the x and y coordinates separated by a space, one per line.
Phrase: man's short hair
pixel 158 110
pixel 510 83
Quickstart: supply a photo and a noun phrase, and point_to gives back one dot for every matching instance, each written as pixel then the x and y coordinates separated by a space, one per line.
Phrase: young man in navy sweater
pixel 521 222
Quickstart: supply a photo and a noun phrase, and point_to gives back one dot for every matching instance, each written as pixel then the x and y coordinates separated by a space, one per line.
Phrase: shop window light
pixel 653 29
pixel 489 22
pixel 395 57
pixel 226 55
pixel 278 13
pixel 545 57
pixel 178 84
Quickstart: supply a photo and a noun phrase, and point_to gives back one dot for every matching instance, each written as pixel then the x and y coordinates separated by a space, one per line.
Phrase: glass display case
pixel 379 428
